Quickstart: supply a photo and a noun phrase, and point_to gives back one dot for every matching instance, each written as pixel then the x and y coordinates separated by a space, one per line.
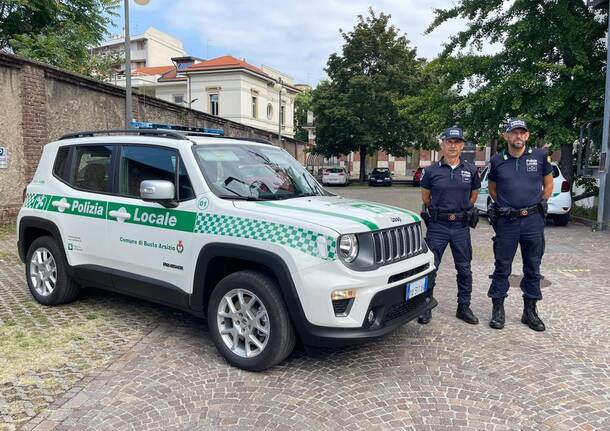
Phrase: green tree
pixel 302 104
pixel 358 107
pixel 546 64
pixel 60 33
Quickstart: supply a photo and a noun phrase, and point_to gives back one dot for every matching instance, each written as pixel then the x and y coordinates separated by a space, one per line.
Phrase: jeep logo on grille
pixel 395 219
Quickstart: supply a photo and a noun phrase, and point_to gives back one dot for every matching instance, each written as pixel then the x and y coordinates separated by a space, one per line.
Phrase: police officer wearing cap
pixel 520 182
pixel 449 189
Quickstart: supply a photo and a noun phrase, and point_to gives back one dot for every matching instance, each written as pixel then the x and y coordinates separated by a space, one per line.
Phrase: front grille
pixel 397 277
pixel 404 307
pixel 395 244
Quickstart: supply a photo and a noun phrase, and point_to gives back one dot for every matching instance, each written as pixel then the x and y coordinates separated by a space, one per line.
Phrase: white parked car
pixel 560 202
pixel 335 176
pixel 231 230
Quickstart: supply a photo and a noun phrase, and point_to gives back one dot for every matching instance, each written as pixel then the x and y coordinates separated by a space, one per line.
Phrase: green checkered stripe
pixel 301 239
pixel 35 201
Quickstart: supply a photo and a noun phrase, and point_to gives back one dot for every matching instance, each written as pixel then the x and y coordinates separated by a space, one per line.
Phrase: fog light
pixel 336 295
pixel 370 318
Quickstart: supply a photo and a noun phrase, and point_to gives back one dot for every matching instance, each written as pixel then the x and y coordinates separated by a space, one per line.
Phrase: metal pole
pixel 279 116
pixel 603 205
pixel 128 108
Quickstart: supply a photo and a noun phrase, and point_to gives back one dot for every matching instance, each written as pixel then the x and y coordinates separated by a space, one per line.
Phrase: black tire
pixel 65 290
pixel 281 338
pixel 561 219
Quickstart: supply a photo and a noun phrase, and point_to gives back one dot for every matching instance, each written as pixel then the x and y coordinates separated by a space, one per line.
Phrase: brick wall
pixel 42 103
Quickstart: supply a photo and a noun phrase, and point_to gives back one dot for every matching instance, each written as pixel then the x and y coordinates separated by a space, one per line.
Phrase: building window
pixel 282 115
pixel 178 99
pixel 141 44
pixel 254 107
pixel 214 108
pixel 269 111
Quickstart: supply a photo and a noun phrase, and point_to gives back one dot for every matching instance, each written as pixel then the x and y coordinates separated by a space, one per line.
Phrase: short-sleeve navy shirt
pixel 450 188
pixel 519 181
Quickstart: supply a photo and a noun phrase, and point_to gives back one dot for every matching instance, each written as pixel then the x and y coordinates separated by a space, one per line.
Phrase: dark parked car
pixel 380 177
pixel 417 177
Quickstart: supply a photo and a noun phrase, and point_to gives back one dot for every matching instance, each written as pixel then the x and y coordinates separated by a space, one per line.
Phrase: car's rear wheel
pixel 249 322
pixel 45 269
pixel 561 219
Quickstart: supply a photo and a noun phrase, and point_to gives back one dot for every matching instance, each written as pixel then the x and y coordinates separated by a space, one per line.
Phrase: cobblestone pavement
pixel 158 369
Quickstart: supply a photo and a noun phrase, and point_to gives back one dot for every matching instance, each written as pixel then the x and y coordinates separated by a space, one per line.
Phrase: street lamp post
pixel 128 100
pixel 603 205
pixel 128 108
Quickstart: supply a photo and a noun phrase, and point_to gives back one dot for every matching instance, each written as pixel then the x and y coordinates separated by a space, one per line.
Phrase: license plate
pixel 417 287
pixel 379 181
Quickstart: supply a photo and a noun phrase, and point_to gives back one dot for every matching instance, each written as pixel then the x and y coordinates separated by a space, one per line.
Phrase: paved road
pixel 446 375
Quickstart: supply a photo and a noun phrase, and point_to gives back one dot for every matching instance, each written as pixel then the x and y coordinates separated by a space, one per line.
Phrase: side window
pixel 91 168
pixel 484 174
pixel 139 163
pixel 60 168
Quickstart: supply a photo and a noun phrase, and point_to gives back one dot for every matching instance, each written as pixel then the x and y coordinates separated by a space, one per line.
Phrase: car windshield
pixel 253 172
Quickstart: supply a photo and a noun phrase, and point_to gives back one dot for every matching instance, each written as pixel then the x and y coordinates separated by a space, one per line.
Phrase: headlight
pixel 348 247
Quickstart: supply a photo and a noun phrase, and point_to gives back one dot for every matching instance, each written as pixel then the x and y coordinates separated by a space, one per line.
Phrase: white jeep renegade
pixel 231 230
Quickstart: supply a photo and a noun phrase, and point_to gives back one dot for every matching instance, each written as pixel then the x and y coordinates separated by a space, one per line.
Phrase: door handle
pixel 60 204
pixel 120 215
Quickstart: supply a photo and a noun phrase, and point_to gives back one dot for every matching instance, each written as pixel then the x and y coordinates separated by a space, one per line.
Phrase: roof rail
pixel 140 132
pixel 237 138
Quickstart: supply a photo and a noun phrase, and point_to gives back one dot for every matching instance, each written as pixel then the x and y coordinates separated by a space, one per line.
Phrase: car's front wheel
pixel 45 269
pixel 249 322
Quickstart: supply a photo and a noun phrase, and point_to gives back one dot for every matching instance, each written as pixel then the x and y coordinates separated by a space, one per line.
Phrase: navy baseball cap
pixel 516 123
pixel 452 133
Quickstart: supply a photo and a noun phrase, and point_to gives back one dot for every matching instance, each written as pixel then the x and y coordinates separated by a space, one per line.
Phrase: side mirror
pixel 160 191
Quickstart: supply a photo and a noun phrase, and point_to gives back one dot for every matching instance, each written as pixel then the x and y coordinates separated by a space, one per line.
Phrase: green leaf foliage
pixel 302 104
pixel 58 32
pixel 359 106
pixel 546 63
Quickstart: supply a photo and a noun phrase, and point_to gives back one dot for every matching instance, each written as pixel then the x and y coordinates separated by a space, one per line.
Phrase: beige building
pixel 150 49
pixel 224 86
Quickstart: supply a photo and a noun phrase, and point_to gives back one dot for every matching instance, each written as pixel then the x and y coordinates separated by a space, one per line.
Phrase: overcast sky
pixel 295 37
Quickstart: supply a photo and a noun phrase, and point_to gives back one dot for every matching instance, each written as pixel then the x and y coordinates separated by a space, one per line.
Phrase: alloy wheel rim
pixel 243 323
pixel 43 271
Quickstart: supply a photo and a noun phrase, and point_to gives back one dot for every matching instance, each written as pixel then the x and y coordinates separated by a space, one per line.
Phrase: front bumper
pixel 391 310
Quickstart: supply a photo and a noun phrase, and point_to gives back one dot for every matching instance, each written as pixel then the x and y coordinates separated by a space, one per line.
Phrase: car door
pixel 79 202
pixel 481 202
pixel 150 244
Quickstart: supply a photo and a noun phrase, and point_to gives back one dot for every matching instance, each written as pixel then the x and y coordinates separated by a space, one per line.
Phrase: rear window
pixel 60 168
pixel 334 170
pixel 91 168
pixel 556 172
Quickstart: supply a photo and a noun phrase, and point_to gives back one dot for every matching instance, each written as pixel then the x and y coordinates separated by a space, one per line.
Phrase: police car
pixel 560 202
pixel 231 230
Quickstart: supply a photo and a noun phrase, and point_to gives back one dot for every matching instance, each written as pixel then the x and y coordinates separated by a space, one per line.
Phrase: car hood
pixel 334 212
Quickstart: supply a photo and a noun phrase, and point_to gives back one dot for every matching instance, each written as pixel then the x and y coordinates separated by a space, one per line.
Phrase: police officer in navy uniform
pixel 520 182
pixel 449 189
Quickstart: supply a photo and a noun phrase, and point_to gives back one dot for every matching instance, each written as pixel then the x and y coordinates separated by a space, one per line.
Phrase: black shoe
pixel 497 314
pixel 425 318
pixel 530 315
pixel 465 313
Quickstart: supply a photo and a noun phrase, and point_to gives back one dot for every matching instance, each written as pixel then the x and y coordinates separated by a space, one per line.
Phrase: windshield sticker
pixel 215 155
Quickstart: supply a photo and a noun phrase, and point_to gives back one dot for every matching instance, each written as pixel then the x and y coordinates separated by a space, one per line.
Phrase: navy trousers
pixel 528 232
pixel 441 233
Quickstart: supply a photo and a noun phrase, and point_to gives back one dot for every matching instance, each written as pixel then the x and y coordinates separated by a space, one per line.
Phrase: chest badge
pixel 466 176
pixel 532 165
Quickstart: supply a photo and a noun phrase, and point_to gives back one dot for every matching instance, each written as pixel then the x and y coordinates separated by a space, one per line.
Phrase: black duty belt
pixel 451 216
pixel 522 212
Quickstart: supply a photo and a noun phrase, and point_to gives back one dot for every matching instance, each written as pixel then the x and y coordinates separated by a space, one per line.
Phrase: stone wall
pixel 41 103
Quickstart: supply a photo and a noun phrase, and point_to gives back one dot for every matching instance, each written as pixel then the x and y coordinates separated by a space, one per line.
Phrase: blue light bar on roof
pixel 206 130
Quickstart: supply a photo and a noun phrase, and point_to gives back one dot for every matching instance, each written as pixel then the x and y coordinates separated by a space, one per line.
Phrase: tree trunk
pixel 566 162
pixel 363 163
pixel 494 147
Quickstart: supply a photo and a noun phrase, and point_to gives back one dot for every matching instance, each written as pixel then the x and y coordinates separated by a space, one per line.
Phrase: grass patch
pixel 24 353
pixel 7 230
pixel 588 213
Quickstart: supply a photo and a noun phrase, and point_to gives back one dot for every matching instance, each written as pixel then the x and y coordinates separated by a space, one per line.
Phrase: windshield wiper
pixel 241 198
